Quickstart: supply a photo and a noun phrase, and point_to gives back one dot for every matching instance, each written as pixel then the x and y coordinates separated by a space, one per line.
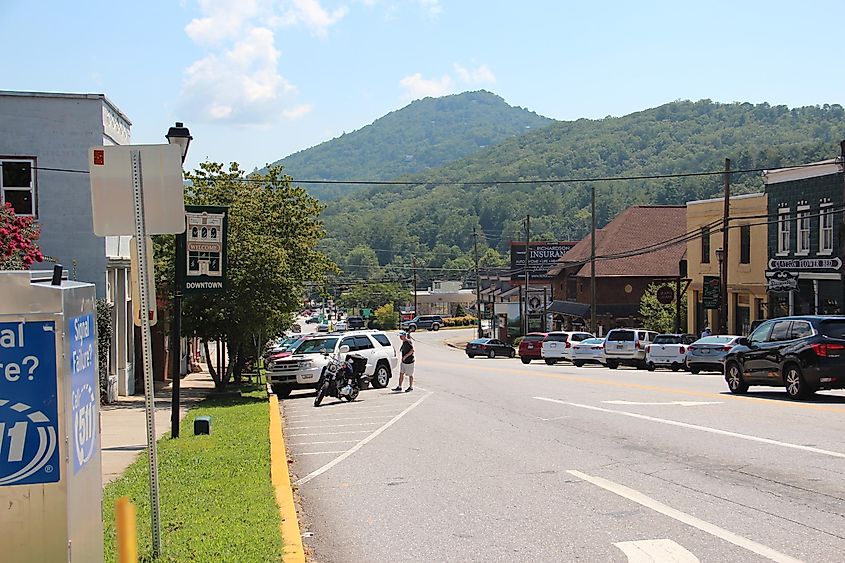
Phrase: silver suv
pixel 302 370
pixel 627 346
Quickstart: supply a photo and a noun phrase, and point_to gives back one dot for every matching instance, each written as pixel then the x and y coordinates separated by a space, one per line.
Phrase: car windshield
pixel 667 339
pixel 715 340
pixel 316 346
pixel 621 335
pixel 591 341
pixel 833 329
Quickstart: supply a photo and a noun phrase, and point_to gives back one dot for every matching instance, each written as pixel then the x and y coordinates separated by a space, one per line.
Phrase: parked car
pixel 430 322
pixel 802 354
pixel 323 327
pixel 340 326
pixel 708 353
pixel 626 346
pixel 588 351
pixel 356 323
pixel 531 346
pixel 302 370
pixel 490 347
pixel 312 320
pixel 557 346
pixel 668 351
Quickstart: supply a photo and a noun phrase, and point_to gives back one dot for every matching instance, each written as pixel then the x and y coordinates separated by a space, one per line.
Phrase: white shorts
pixel 406 369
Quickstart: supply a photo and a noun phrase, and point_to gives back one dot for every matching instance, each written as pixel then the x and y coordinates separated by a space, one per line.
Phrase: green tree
pixel 273 230
pixel 386 317
pixel 656 315
pixel 373 295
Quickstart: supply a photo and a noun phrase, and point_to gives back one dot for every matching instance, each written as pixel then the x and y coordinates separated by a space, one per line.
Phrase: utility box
pixel 51 484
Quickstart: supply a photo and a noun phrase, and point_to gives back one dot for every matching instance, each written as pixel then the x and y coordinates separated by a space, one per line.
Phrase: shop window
pixel 745 244
pixel 17 184
pixel 826 229
pixel 705 245
pixel 803 224
pixel 783 230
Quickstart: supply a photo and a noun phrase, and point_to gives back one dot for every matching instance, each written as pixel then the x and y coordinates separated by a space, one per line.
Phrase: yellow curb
pixel 293 552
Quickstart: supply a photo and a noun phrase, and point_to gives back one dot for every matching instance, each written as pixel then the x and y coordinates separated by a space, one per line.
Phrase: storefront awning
pixel 569 308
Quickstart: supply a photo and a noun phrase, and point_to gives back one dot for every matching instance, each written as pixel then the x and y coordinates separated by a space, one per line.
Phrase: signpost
pixel 712 294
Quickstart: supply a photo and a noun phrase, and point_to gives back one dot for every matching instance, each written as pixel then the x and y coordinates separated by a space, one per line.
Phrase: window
pixel 803 221
pixel 761 333
pixel 17 184
pixel 800 329
pixel 382 339
pixel 745 244
pixel 705 245
pixel 780 331
pixel 349 341
pixel 826 229
pixel 363 343
pixel 783 230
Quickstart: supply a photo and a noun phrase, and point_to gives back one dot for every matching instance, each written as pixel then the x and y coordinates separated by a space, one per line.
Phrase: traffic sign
pixel 83 391
pixel 201 250
pixel 29 449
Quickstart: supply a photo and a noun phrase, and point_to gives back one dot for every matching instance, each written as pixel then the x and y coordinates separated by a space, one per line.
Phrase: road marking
pixel 294 414
pixel 701 428
pixel 659 551
pixel 685 518
pixel 681 403
pixel 341 418
pixel 329 433
pixel 322 453
pixel 362 443
pixel 333 426
pixel 328 442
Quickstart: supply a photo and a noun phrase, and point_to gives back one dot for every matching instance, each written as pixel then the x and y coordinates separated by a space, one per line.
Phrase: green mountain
pixel 434 219
pixel 426 134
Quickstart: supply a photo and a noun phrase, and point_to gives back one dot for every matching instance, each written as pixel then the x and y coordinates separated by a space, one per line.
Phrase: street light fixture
pixel 178 135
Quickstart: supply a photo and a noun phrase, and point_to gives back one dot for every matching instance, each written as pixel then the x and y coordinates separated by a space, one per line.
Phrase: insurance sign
pixel 29 450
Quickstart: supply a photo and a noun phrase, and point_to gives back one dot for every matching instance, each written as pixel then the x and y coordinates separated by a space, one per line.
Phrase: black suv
pixel 355 323
pixel 803 354
pixel 431 322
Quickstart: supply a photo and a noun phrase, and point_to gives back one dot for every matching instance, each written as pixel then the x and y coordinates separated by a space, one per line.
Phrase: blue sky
pixel 256 80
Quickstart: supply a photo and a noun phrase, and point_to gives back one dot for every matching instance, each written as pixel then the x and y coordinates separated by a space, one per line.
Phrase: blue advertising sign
pixel 29 451
pixel 83 389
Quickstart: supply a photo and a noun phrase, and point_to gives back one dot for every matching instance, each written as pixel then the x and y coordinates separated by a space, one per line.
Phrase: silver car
pixel 708 353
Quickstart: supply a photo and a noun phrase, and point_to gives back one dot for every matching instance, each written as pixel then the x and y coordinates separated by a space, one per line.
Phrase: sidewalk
pixel 124 425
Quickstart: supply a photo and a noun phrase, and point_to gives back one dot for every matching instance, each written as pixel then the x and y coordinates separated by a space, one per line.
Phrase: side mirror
pixel 743 341
pixel 344 349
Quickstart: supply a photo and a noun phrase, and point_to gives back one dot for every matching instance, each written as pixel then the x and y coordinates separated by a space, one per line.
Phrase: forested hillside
pixel 435 222
pixel 427 133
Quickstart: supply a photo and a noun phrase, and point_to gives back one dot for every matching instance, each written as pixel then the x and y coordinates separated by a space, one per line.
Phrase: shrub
pixel 386 317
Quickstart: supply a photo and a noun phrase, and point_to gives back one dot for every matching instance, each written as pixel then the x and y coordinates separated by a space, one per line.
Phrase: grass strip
pixel 217 501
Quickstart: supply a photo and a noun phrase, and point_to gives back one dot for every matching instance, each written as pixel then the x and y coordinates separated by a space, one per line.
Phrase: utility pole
pixel 414 268
pixel 477 284
pixel 593 323
pixel 527 254
pixel 723 306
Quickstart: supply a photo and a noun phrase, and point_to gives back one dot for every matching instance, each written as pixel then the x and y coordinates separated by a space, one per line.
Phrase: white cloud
pixel 418 87
pixel 311 14
pixel 224 19
pixel 479 75
pixel 298 112
pixel 433 6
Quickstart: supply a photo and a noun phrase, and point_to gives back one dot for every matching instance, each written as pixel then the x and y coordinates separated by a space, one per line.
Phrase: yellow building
pixel 746 262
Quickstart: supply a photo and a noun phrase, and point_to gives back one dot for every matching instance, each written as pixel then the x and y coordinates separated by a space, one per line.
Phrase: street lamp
pixel 720 257
pixel 178 135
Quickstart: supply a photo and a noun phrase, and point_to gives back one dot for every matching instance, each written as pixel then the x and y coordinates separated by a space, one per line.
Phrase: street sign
pixel 29 449
pixel 152 314
pixel 84 389
pixel 712 294
pixel 665 295
pixel 367 313
pixel 201 250
pixel 834 263
pixel 112 191
pixel 780 280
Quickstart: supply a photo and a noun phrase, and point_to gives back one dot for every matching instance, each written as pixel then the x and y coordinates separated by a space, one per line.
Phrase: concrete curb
pixel 293 552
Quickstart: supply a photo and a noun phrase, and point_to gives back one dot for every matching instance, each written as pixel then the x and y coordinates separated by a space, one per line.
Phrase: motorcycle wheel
pixel 321 392
pixel 352 396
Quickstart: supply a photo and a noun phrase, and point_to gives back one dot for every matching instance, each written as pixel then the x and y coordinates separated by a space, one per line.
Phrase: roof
pixel 65 95
pixel 810 170
pixel 638 228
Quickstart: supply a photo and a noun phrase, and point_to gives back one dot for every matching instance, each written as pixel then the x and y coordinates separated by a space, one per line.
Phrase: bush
pixel 386 317
pixel 466 320
pixel 517 340
pixel 104 335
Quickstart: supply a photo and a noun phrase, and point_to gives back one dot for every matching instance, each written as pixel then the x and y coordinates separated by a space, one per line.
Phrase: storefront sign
pixel 665 295
pixel 541 258
pixel 712 294
pixel 780 280
pixel 805 264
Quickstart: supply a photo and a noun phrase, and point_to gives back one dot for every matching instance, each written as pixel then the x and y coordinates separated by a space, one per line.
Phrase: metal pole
pixel 593 322
pixel 678 304
pixel 176 347
pixel 723 309
pixel 146 346
pixel 841 277
pixel 527 264
pixel 414 267
pixel 477 284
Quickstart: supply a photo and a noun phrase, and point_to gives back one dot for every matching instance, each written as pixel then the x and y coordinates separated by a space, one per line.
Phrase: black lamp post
pixel 723 309
pixel 177 135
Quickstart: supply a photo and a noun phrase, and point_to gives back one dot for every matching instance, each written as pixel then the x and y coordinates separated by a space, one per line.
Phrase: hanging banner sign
pixel 780 280
pixel 712 294
pixel 201 250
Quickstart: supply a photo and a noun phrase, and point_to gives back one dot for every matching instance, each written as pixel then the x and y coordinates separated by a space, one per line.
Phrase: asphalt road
pixel 493 460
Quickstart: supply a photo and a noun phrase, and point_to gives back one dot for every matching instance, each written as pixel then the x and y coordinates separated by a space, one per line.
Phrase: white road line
pixel 322 453
pixel 362 443
pixel 341 418
pixel 651 551
pixel 332 426
pixel 702 428
pixel 685 518
pixel 329 433
pixel 679 403
pixel 325 442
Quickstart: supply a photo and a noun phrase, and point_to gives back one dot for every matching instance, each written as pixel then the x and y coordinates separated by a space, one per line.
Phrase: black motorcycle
pixel 341 379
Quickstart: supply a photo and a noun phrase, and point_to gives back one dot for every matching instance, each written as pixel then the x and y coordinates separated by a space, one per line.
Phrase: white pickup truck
pixel 303 369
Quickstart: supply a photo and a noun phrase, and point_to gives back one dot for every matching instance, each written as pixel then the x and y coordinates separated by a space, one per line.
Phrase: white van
pixel 627 346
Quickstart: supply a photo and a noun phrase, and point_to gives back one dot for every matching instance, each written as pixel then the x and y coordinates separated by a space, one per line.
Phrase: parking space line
pixel 333 426
pixel 341 418
pixel 329 433
pixel 323 442
pixel 701 428
pixel 683 517
pixel 362 443
pixel 323 453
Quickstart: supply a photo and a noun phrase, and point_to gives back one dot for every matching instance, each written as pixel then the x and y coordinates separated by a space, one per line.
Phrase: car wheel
pixel 525 360
pixel 381 377
pixel 282 391
pixel 578 363
pixel 694 370
pixel 676 366
pixel 796 387
pixel 650 366
pixel 435 327
pixel 511 353
pixel 736 383
pixel 550 361
pixel 491 354
pixel 612 364
pixel 470 356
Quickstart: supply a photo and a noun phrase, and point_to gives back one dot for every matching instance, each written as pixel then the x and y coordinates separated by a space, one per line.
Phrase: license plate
pixel 705 351
pixel 552 345
pixel 620 346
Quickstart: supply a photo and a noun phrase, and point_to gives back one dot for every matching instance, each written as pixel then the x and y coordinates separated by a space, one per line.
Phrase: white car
pixel 303 369
pixel 589 351
pixel 626 346
pixel 668 351
pixel 557 346
pixel 340 326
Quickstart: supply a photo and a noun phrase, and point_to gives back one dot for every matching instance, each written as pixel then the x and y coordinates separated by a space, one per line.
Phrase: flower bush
pixel 460 321
pixel 18 250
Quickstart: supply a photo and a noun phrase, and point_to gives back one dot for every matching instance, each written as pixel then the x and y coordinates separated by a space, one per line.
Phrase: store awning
pixel 571 308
